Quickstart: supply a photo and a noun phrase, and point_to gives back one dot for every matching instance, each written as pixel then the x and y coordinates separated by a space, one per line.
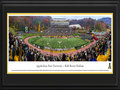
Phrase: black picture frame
pixel 60 81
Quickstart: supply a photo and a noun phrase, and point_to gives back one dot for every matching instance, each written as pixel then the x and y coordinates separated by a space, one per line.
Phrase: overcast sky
pixel 71 16
pixel 81 16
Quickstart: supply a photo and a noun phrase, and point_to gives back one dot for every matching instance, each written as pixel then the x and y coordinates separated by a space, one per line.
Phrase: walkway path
pixel 56 54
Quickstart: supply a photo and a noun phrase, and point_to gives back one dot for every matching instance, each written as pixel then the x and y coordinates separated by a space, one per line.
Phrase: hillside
pixel 107 20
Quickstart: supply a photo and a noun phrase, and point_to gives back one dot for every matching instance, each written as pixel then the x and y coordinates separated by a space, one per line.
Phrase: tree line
pixel 40 23
pixel 91 24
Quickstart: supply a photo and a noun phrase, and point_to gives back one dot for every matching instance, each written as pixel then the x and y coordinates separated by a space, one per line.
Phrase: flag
pixel 20 53
pixel 15 47
pixel 11 54
pixel 95 38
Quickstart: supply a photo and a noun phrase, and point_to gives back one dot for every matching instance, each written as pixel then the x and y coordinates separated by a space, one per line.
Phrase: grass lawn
pixel 99 30
pixel 57 42
pixel 25 35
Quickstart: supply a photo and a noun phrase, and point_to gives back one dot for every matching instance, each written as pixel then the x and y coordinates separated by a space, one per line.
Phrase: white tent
pixel 75 25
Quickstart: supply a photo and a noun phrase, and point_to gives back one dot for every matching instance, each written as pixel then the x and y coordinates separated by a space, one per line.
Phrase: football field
pixel 58 43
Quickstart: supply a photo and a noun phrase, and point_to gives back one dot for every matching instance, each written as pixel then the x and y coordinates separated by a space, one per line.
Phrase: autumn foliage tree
pixel 32 22
pixel 90 24
pixel 25 21
pixel 101 26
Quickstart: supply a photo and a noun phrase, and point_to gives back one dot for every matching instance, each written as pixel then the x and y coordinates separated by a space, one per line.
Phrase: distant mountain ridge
pixel 107 20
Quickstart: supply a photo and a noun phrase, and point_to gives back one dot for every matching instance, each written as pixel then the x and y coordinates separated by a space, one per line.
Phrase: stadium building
pixel 59 27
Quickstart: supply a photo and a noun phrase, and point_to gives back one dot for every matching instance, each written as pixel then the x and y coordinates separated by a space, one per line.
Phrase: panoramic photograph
pixel 60 37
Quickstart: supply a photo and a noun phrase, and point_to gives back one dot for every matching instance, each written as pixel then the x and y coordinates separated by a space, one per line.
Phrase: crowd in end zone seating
pixel 100 51
pixel 54 31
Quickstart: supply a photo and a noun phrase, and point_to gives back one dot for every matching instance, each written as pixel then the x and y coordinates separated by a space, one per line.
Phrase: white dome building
pixel 75 26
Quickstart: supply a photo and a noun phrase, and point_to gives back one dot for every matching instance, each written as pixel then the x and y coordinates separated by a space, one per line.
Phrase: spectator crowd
pixel 57 31
pixel 100 51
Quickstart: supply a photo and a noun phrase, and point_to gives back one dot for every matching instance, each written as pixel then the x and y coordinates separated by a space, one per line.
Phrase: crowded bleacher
pixel 100 51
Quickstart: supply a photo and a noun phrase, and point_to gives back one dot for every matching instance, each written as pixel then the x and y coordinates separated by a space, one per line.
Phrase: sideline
pixel 56 54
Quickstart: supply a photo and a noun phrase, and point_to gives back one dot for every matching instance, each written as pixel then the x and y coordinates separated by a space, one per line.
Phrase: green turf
pixel 58 43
